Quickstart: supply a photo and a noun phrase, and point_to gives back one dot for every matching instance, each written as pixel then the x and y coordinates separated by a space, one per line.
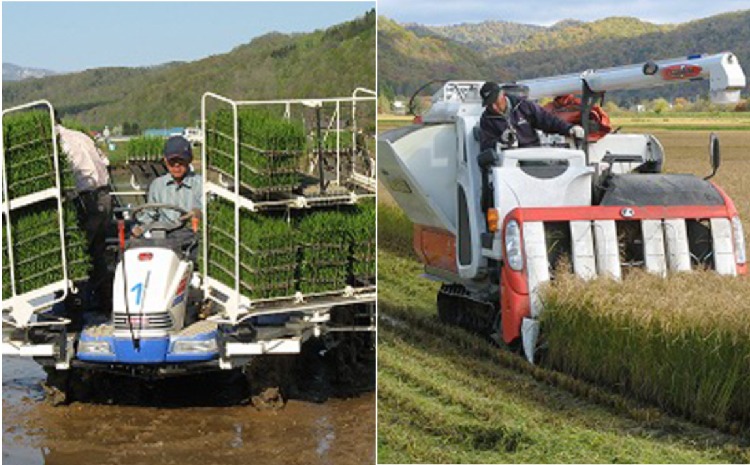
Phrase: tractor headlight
pixel 513 254
pixel 95 347
pixel 192 346
pixel 739 241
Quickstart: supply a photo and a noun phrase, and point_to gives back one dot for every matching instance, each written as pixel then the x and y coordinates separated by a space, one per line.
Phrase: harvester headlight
pixel 739 241
pixel 192 346
pixel 513 254
pixel 95 347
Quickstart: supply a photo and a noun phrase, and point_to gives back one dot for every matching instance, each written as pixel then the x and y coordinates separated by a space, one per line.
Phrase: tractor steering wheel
pixel 166 226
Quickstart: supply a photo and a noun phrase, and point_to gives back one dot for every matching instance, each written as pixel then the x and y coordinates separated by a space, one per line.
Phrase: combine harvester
pixel 173 316
pixel 493 234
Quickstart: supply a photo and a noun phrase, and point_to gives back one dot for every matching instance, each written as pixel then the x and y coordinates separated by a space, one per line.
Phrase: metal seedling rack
pixel 40 192
pixel 227 159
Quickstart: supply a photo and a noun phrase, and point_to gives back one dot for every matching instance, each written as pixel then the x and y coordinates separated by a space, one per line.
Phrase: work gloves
pixel 577 132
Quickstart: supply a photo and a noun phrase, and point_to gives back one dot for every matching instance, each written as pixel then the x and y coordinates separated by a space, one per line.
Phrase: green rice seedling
pixel 329 141
pixel 269 148
pixel 76 246
pixel 36 247
pixel 35 228
pixel 146 148
pixel 28 151
pixel 268 252
pixel 7 289
pixel 657 339
pixel 78 258
pixel 325 252
pixel 361 230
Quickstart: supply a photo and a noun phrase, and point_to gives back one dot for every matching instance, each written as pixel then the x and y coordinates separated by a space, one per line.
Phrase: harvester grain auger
pixel 278 258
pixel 605 205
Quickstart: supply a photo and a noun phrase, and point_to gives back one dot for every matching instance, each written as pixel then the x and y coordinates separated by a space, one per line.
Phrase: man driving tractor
pixel 180 187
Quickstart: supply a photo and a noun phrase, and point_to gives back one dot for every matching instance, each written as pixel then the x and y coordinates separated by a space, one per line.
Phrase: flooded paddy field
pixel 200 419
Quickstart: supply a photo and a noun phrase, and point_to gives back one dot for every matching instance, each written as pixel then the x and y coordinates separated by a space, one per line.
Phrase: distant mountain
pixel 502 37
pixel 563 23
pixel 323 63
pixel 407 59
pixel 13 72
pixel 567 46
pixel 486 35
pixel 569 33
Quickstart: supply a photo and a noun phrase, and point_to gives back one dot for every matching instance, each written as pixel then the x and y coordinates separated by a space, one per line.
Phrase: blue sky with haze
pixel 72 36
pixel 547 12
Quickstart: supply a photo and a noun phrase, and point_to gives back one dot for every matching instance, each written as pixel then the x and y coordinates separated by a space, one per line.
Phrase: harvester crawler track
pixel 457 307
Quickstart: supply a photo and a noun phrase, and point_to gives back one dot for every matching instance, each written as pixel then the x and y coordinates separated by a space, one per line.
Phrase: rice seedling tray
pixel 270 148
pixel 29 153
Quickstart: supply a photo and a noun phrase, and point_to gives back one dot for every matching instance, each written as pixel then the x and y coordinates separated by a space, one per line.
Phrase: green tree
pixel 660 106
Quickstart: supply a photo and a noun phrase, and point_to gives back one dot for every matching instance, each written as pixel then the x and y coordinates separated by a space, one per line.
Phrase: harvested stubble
pixel 270 148
pixel 146 148
pixel 682 342
pixel 268 252
pixel 27 144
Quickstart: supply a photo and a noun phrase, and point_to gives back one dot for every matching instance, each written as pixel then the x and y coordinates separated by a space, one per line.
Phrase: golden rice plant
pixel 682 342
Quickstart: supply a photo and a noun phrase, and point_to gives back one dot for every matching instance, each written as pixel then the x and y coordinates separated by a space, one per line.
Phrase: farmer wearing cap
pixel 180 187
pixel 511 120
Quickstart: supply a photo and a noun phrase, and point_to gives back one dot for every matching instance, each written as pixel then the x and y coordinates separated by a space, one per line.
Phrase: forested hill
pixel 407 59
pixel 503 37
pixel 324 63
pixel 480 36
pixel 579 46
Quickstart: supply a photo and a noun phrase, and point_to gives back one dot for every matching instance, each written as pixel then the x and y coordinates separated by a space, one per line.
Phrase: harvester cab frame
pixel 493 226
pixel 172 317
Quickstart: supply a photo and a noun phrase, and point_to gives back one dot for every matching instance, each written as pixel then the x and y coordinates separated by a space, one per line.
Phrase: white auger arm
pixel 723 71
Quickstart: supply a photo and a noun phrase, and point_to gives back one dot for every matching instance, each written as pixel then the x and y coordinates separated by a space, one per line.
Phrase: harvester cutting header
pixel 494 225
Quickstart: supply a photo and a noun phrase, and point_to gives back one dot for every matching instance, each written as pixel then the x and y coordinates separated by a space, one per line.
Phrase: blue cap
pixel 178 147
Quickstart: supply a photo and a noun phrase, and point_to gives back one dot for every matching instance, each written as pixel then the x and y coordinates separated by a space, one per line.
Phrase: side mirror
pixel 714 150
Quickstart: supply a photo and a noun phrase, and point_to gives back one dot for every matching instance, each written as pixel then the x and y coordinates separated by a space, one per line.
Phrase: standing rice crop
pixel 682 342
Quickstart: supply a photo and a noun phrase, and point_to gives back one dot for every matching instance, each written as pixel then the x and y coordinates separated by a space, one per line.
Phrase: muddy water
pixel 339 431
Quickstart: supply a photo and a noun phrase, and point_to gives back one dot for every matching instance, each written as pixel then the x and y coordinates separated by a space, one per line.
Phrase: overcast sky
pixel 72 36
pixel 547 12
